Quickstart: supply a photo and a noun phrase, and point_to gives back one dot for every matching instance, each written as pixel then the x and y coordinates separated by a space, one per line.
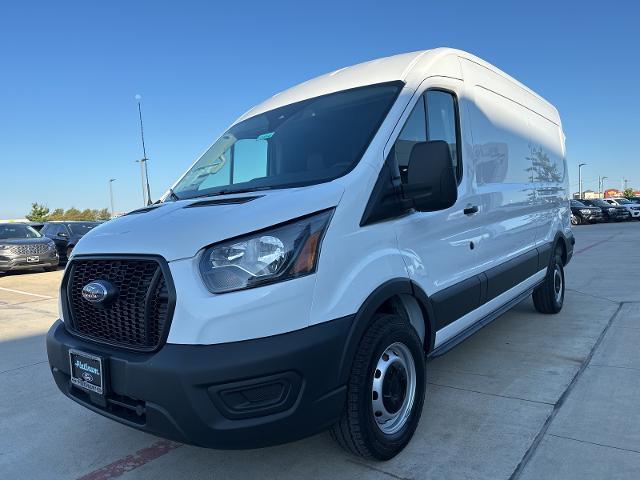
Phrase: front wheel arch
pixel 385 296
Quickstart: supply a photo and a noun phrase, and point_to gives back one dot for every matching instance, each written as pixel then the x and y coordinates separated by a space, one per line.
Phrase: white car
pixel 632 207
pixel 299 274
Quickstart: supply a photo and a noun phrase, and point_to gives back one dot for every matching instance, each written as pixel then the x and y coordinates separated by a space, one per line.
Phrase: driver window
pixel 414 131
pixel 438 121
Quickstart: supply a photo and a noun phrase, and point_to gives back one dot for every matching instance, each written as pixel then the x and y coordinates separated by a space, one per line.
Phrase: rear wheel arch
pixel 561 242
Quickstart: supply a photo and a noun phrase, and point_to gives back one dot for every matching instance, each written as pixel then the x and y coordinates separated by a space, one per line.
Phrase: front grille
pixel 139 316
pixel 33 249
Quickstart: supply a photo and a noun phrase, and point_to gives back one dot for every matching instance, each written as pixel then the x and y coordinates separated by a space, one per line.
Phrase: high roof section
pixel 375 71
pixel 411 68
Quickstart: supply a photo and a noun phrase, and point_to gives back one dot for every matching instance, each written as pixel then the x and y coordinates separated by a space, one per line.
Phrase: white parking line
pixel 24 293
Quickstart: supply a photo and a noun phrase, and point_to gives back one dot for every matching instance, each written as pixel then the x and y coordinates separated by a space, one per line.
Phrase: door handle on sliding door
pixel 470 209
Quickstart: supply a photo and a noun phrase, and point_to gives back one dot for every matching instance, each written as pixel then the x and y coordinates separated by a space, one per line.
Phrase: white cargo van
pixel 299 274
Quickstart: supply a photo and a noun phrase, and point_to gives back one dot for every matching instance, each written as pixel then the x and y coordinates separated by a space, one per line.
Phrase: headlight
pixel 585 211
pixel 279 253
pixel 5 247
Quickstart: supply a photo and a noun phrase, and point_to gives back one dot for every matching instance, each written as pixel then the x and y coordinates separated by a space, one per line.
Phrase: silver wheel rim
pixel 557 284
pixel 574 220
pixel 393 388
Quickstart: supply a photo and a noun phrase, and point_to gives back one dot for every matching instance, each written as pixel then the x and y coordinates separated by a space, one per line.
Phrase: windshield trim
pixel 245 187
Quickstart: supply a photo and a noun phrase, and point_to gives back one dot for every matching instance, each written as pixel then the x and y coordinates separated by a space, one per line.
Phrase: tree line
pixel 41 213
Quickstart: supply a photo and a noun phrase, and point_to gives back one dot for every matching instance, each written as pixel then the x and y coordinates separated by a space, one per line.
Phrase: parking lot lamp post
pixel 580 180
pixel 111 180
pixel 146 191
pixel 601 186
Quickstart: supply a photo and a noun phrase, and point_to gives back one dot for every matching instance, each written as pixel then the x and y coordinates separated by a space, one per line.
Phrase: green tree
pixel 72 214
pixel 103 214
pixel 38 213
pixel 88 214
pixel 57 214
pixel 628 193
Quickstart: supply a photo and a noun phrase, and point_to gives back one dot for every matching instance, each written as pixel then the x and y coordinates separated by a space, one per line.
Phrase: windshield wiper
pixel 172 195
pixel 229 191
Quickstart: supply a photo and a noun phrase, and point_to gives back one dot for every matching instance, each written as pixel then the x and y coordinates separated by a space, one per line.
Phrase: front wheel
pixel 575 220
pixel 385 393
pixel 549 296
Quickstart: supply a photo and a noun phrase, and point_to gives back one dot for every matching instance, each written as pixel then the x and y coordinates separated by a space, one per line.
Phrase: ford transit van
pixel 303 270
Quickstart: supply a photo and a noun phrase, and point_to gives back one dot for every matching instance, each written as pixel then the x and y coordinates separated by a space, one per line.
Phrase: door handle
pixel 471 209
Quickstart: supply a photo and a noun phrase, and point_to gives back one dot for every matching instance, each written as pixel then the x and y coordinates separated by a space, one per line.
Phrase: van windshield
pixel 305 143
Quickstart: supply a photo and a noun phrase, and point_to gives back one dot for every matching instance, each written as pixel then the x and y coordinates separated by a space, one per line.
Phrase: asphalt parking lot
pixel 528 397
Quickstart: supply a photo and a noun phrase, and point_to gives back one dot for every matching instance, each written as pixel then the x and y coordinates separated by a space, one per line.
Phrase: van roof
pixel 410 68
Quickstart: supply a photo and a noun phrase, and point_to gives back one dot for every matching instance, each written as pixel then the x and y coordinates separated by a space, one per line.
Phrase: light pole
pixel 144 173
pixel 601 186
pixel 580 180
pixel 111 180
pixel 142 163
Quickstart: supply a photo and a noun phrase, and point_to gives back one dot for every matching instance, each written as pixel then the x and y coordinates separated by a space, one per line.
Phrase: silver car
pixel 22 247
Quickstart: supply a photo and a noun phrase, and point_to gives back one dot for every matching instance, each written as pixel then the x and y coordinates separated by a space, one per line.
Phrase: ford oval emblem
pixel 98 292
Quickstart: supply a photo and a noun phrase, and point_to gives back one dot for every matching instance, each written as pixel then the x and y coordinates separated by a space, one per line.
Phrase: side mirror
pixel 431 180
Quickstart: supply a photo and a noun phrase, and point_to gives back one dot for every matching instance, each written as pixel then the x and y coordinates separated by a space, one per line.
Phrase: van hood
pixel 177 230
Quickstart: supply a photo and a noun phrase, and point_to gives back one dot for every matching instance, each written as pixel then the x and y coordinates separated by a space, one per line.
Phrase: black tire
pixel 575 220
pixel 549 296
pixel 358 431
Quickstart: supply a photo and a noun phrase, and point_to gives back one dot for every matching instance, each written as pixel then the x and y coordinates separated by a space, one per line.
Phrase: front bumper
pixel 236 395
pixel 619 215
pixel 21 262
pixel 592 216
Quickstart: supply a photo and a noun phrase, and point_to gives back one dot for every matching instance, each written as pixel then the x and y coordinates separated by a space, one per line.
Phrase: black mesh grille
pixel 138 316
pixel 31 249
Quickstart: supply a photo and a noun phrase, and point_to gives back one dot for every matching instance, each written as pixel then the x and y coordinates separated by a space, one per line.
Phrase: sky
pixel 70 70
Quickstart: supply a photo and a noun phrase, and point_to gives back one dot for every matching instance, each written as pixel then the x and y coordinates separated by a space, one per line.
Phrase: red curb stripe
pixel 131 462
pixel 593 245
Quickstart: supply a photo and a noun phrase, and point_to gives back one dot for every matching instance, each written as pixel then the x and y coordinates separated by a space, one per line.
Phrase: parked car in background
pixel 632 207
pixel 581 213
pixel 22 248
pixel 613 213
pixel 66 235
pixel 635 200
pixel 35 225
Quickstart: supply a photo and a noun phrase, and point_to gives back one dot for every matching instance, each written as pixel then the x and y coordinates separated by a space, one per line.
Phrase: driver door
pixel 439 247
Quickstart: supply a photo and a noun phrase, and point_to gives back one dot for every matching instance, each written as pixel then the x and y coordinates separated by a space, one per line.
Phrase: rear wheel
pixel 385 393
pixel 549 296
